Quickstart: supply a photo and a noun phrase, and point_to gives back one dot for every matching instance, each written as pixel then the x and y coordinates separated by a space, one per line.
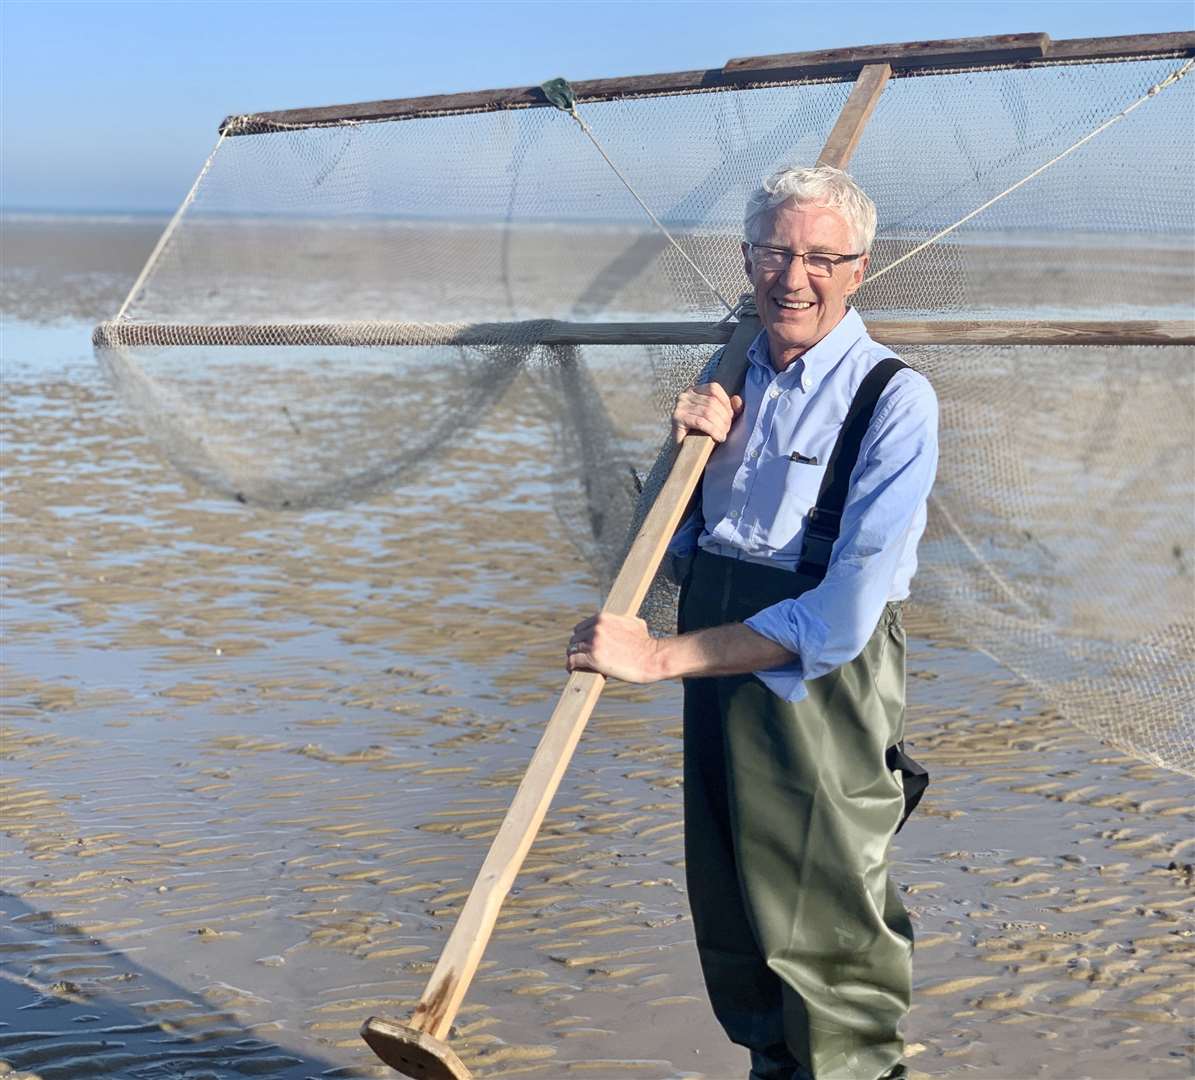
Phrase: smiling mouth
pixel 794 305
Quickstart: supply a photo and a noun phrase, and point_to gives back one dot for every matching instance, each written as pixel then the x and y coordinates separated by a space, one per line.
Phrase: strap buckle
pixel 821 531
pixel 823 524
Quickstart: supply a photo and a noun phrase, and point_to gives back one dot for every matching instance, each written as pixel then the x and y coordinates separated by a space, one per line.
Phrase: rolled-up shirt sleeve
pixel 830 624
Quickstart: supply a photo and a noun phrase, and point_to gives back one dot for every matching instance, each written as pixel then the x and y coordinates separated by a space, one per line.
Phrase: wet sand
pixel 252 762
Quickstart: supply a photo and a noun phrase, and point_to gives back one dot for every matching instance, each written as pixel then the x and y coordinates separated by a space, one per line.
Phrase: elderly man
pixel 792 651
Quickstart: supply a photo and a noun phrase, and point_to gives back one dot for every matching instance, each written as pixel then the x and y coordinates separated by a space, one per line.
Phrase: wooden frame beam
pixel 905 58
pixel 556 332
pixel 956 52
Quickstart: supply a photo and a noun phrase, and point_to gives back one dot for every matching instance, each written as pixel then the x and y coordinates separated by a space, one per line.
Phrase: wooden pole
pixel 555 332
pixel 848 129
pixel 405 1047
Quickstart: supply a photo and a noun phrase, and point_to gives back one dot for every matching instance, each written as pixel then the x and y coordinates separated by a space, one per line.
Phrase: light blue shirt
pixel 755 499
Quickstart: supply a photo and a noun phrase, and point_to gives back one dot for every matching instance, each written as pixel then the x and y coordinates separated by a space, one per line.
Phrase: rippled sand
pixel 252 762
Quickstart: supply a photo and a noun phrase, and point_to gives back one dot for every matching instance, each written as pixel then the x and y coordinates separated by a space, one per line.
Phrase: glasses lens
pixel 769 259
pixel 819 265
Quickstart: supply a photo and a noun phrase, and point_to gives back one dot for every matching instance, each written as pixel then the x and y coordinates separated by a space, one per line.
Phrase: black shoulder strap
pixel 825 519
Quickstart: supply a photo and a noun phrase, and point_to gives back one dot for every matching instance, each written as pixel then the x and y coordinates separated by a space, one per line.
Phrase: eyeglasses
pixel 769 260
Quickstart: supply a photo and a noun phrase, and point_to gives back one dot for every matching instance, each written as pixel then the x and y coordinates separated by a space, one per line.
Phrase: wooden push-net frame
pixel 1138 678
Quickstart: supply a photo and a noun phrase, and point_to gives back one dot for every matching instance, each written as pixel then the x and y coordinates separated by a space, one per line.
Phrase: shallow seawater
pixel 252 761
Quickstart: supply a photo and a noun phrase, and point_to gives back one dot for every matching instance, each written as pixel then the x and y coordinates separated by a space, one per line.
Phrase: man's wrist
pixel 667 658
pixel 676 656
pixel 662 664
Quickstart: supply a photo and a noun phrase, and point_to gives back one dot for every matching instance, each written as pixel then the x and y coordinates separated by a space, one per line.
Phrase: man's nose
pixel 794 274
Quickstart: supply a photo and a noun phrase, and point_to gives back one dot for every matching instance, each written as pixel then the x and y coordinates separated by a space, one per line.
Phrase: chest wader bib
pixel 790 807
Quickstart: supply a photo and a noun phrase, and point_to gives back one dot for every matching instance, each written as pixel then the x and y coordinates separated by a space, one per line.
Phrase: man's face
pixel 799 310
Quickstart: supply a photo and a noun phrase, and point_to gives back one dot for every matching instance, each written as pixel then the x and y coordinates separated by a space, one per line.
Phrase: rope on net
pixel 1152 92
pixel 164 239
pixel 560 94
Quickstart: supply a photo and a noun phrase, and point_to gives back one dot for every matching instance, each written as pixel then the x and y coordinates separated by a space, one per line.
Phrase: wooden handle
pixel 848 128
pixel 458 963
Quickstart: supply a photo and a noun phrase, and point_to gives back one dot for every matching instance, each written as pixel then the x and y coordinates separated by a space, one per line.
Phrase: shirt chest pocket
pixel 793 489
pixel 803 475
pixel 804 462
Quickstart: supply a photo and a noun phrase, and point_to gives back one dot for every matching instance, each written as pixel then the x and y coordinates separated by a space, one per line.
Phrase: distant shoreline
pixel 105 217
pixel 1020 238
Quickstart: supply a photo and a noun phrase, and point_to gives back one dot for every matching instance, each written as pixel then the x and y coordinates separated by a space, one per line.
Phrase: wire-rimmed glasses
pixel 770 260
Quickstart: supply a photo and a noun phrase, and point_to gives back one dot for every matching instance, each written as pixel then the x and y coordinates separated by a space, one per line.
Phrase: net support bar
pixel 556 332
pixel 905 58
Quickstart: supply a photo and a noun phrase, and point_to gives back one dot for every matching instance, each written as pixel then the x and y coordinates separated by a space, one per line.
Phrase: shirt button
pixel 805 383
pixel 732 514
pixel 773 393
pixel 754 454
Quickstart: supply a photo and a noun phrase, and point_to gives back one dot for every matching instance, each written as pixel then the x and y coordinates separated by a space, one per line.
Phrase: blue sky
pixel 115 105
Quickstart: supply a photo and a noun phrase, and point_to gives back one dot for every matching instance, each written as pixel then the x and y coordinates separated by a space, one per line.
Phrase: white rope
pixel 164 239
pixel 647 210
pixel 1153 91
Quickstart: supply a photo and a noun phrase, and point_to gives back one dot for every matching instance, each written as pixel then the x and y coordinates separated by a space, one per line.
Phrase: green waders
pixel 789 810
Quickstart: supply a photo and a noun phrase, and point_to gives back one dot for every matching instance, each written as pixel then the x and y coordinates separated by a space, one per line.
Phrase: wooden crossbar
pixel 556 332
pixel 909 58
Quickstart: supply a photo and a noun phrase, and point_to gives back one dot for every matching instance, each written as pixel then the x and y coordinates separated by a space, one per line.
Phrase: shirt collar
pixel 818 361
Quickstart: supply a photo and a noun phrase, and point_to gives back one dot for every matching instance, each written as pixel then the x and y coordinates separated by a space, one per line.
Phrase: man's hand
pixel 706 409
pixel 618 646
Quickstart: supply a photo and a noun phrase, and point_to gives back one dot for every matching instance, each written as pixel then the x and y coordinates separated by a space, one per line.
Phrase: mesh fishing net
pixel 295 341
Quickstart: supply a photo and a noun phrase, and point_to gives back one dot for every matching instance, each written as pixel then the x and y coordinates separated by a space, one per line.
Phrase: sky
pixel 115 106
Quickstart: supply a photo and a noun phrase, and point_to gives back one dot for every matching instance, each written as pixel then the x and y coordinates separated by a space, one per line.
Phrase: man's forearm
pixel 620 647
pixel 733 649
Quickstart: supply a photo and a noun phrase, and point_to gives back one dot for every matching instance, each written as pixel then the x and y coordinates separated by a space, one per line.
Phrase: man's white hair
pixel 822 185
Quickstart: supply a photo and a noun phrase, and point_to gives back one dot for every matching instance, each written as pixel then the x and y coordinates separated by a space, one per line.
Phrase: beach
pixel 253 759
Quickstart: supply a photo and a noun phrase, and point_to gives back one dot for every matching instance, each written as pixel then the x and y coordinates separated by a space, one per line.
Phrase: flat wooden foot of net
pixel 412 1053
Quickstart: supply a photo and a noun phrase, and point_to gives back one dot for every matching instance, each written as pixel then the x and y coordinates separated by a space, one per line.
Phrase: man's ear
pixel 858 273
pixel 746 249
